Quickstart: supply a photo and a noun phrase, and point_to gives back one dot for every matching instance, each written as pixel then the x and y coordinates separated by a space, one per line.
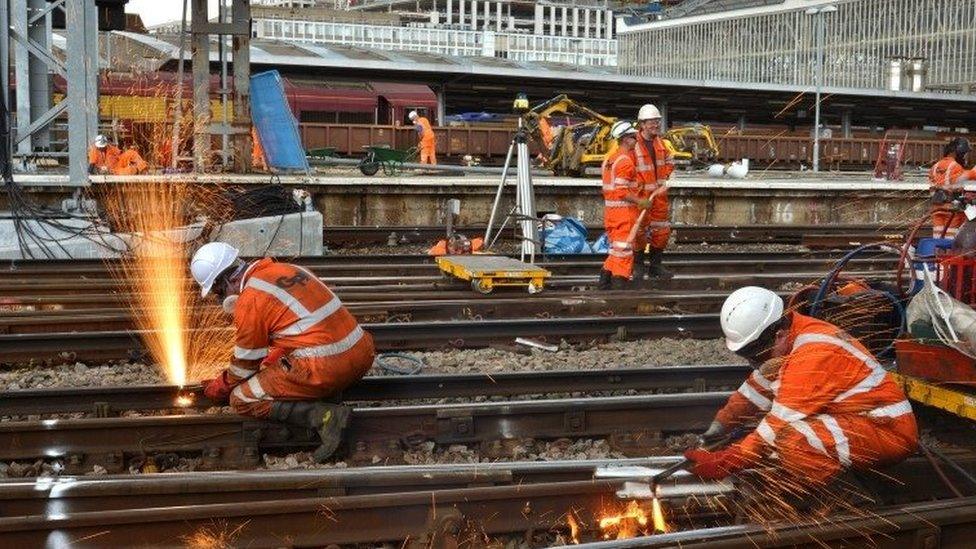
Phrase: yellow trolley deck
pixel 485 272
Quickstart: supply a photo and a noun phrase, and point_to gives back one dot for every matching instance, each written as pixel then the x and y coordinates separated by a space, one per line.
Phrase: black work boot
pixel 328 419
pixel 604 283
pixel 656 269
pixel 640 268
pixel 620 283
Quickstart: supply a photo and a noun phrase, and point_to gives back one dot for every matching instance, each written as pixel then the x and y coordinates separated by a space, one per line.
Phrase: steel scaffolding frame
pixel 778 45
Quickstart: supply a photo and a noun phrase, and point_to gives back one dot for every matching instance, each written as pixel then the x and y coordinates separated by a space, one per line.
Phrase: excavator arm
pixel 576 146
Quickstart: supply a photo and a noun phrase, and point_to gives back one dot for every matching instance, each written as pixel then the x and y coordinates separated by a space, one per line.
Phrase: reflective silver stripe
pixel 761 380
pixel 754 396
pixel 618 204
pixel 786 413
pixel 240 372
pixel 620 253
pixel 841 443
pixel 302 325
pixel 621 181
pixel 250 354
pixel 813 440
pixel 774 387
pixel 621 245
pixel 331 349
pixel 239 393
pixel 892 410
pixel 256 389
pixel 766 432
pixel 871 381
pixel 280 294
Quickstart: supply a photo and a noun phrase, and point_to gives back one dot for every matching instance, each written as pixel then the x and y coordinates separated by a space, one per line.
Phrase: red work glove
pixel 717 465
pixel 218 389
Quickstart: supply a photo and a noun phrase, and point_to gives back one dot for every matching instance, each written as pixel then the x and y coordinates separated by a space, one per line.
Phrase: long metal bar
pixel 81 19
pixel 178 112
pixel 377 388
pixel 201 85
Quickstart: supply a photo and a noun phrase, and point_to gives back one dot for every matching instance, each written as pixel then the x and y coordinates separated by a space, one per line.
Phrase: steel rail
pixel 107 345
pixel 107 400
pixel 72 494
pixel 323 521
pixel 230 441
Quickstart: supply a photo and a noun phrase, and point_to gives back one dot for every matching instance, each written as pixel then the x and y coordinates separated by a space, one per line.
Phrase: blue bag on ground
pixel 276 126
pixel 600 245
pixel 568 236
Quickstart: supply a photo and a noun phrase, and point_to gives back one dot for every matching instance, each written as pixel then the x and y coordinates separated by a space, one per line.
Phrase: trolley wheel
pixel 369 168
pixel 481 286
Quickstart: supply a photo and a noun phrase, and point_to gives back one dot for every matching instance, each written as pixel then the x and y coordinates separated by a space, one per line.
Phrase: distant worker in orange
pixel 295 342
pixel 428 140
pixel 102 156
pixel 654 167
pixel 826 403
pixel 130 163
pixel 621 205
pixel 258 161
pixel 948 175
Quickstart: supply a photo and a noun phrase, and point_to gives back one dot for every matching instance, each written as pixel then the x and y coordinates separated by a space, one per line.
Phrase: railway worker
pixel 654 167
pixel 949 175
pixel 130 162
pixel 295 342
pixel 622 203
pixel 825 401
pixel 428 140
pixel 102 156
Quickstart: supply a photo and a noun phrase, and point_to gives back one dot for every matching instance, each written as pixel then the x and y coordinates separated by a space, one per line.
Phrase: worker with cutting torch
pixel 295 342
pixel 624 208
pixel 825 402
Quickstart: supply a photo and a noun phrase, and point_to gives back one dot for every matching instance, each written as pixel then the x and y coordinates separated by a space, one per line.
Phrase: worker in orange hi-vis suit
pixel 102 156
pixel 130 163
pixel 826 403
pixel 949 174
pixel 622 206
pixel 654 167
pixel 295 342
pixel 428 140
pixel 258 161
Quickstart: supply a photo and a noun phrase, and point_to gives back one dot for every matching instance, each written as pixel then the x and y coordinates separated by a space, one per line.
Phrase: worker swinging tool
pixel 485 272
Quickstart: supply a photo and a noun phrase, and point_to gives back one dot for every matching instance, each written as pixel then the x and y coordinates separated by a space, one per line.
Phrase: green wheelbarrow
pixel 391 160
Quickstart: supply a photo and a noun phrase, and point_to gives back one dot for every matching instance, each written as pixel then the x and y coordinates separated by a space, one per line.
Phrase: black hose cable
pixel 382 361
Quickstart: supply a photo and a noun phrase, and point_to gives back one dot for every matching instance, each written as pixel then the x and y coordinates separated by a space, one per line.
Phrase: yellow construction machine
pixel 572 148
pixel 693 144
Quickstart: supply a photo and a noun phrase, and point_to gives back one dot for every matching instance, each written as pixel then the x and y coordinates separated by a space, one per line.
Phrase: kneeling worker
pixel 826 407
pixel 295 342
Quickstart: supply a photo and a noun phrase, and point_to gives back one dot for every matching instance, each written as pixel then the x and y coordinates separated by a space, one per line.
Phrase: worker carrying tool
pixel 825 401
pixel 428 140
pixel 622 206
pixel 654 167
pixel 295 342
pixel 946 178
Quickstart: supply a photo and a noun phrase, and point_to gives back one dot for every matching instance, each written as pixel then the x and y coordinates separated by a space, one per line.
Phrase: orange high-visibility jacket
pixel 286 306
pixel 827 376
pixel 427 136
pixel 104 158
pixel 654 164
pixel 130 163
pixel 947 172
pixel 619 180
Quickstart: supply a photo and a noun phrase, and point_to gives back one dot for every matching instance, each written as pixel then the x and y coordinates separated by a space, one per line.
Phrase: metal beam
pixel 81 22
pixel 241 14
pixel 201 89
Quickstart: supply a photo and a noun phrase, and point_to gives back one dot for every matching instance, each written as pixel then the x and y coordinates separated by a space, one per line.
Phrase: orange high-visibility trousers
pixel 651 232
pixel 619 221
pixel 306 379
pixel 948 222
pixel 428 152
pixel 873 442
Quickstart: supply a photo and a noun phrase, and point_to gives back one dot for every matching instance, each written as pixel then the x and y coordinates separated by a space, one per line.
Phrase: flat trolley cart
pixel 485 272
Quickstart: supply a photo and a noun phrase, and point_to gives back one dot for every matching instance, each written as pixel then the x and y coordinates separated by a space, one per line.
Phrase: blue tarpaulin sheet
pixel 276 126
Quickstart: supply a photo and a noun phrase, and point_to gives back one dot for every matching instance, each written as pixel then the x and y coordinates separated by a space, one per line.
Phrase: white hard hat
pixel 210 260
pixel 101 141
pixel 412 115
pixel 648 112
pixel 622 128
pixel 738 170
pixel 746 313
